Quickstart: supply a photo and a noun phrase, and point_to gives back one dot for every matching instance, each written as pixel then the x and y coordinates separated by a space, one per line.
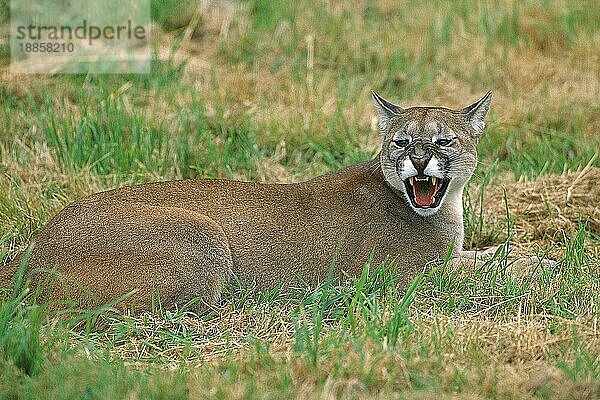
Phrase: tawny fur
pixel 180 240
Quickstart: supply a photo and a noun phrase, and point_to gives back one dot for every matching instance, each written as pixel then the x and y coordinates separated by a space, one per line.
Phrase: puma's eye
pixel 444 141
pixel 401 142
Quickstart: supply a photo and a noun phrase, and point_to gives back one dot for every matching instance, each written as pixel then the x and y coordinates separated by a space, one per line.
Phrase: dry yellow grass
pixel 547 210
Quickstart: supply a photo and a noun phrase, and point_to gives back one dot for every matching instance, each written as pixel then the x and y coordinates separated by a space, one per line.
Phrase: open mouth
pixel 426 191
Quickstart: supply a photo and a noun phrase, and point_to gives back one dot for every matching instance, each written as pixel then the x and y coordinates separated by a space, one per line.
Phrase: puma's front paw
pixel 480 255
pixel 527 265
pixel 522 265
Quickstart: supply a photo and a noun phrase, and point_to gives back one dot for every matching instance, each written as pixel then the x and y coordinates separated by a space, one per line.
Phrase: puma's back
pixel 184 239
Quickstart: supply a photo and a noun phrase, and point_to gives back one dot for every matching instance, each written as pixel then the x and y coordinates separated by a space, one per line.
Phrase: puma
pixel 181 240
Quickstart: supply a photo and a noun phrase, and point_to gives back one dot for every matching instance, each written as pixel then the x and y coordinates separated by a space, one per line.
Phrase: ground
pixel 279 91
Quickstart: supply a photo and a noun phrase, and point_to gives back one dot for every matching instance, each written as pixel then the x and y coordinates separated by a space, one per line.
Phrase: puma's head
pixel 429 153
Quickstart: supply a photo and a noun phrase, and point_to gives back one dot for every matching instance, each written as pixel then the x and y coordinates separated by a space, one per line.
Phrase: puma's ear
pixel 386 111
pixel 477 111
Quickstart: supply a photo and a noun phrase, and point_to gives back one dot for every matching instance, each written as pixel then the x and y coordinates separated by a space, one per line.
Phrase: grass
pixel 273 91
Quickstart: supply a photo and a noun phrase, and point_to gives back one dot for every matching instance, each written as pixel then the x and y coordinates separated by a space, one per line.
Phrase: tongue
pixel 424 193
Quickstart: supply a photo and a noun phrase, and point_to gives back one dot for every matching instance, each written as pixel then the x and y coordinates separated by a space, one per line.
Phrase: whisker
pixel 375 167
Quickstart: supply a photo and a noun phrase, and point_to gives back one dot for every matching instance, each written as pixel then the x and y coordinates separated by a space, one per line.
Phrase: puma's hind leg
pixel 112 249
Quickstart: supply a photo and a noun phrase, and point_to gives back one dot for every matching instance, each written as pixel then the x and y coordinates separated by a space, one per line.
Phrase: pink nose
pixel 420 163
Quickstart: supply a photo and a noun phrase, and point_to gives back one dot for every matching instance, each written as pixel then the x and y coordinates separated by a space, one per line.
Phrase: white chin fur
pixel 426 212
